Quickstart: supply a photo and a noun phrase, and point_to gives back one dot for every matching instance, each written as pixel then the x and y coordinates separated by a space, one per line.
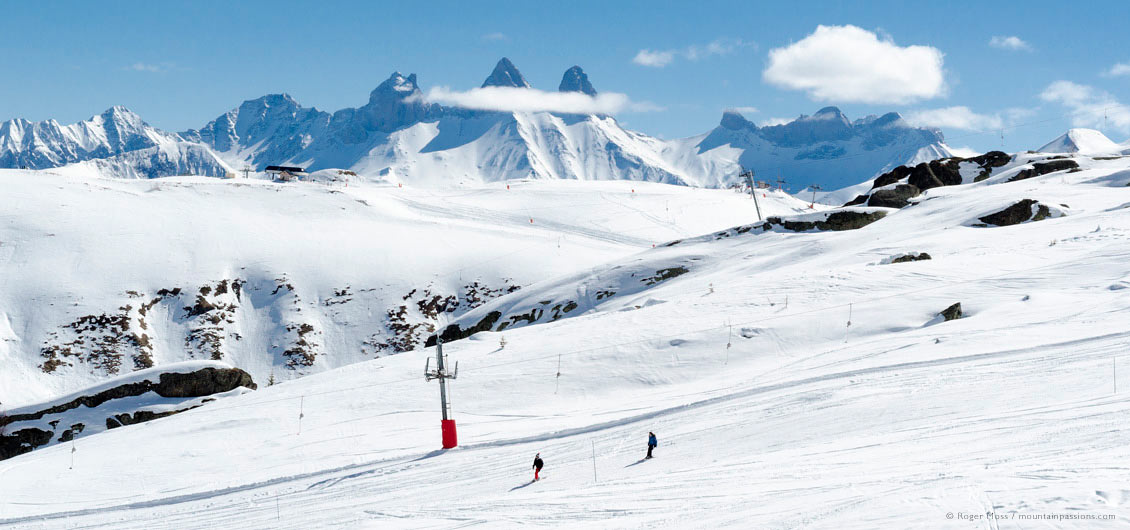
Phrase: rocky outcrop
pixel 1021 212
pixel 913 180
pixel 836 221
pixel 1043 168
pixel 204 382
pixel 453 332
pixel 896 197
pixel 913 256
pixel 936 173
pixel 952 312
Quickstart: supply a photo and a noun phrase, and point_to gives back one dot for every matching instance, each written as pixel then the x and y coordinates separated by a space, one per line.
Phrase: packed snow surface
pixel 793 380
pixel 87 265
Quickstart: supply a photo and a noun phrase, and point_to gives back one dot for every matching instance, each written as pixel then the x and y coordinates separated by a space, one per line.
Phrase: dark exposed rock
pixel 896 197
pixel 934 174
pixel 203 382
pixel 1018 213
pixel 952 312
pixel 200 383
pixel 529 317
pixel 141 416
pixel 836 221
pixel 1043 168
pixel 892 176
pixel 859 199
pixel 992 159
pixel 665 274
pixel 948 171
pixel 23 441
pixel 916 256
pixel 453 332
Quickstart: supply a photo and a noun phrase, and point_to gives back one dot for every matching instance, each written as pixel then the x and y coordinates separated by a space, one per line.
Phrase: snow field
pixel 803 421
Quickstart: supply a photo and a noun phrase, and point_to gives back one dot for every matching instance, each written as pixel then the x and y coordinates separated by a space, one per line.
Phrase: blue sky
pixel 181 65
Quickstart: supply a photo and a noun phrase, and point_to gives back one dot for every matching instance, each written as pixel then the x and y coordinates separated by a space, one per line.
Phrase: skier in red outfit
pixel 537 465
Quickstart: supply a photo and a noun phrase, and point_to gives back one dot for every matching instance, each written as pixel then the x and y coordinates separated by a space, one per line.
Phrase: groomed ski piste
pixel 793 380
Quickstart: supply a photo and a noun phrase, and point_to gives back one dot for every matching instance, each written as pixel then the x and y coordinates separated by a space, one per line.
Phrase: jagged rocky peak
pixel 119 115
pixel 396 102
pixel 506 74
pixel 830 113
pixel 397 85
pixel 890 119
pixel 269 104
pixel 575 80
pixel 735 121
pixel 827 125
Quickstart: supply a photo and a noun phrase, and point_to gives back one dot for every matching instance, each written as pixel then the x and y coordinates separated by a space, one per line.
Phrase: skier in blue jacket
pixel 651 443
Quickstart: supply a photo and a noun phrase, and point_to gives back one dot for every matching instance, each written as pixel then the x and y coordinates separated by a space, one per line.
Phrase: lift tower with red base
pixel 447 425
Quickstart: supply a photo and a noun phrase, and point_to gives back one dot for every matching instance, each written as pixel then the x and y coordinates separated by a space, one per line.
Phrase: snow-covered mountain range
pixel 115 143
pixel 399 136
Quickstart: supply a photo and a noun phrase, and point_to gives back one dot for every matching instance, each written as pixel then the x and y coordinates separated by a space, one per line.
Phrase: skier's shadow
pixel 636 463
pixel 520 486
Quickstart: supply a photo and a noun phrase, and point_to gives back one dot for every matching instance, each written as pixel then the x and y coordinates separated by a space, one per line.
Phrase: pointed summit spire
pixel 398 86
pixel 506 74
pixel 575 80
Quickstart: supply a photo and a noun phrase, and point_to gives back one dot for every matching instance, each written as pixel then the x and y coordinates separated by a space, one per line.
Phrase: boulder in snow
pixel 952 312
pixel 1020 212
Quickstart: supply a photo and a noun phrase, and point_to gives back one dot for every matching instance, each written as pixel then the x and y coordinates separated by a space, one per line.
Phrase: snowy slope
pixel 123 400
pixel 1084 142
pixel 102 276
pixel 794 379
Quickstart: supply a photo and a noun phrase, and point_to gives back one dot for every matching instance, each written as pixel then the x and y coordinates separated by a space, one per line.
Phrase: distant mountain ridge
pixel 399 136
pixel 117 141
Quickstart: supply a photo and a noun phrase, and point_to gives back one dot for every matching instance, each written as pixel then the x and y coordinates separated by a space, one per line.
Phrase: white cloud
pixel 656 59
pixel 851 64
pixel 495 37
pixel 146 67
pixel 1010 42
pixel 1119 69
pixel 964 151
pixel 745 110
pixel 661 58
pixel 1090 107
pixel 769 122
pixel 954 118
pixel 512 99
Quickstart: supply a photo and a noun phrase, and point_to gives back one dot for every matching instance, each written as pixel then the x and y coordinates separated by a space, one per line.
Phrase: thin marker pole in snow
pixel 594 460
pixel 73 450
pixel 301 414
pixel 848 324
pixel 557 383
pixel 729 342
